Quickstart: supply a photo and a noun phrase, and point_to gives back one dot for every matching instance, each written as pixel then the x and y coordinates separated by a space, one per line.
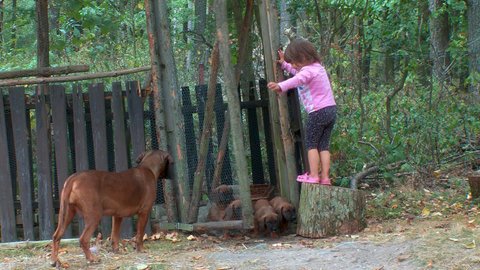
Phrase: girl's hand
pixel 281 58
pixel 274 86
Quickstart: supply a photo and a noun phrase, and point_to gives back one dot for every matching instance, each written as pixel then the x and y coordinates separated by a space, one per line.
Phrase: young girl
pixel 310 78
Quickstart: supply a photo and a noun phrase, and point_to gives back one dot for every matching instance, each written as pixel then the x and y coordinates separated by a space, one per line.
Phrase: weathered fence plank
pixel 22 145
pixel 60 139
pixel 7 208
pixel 120 144
pixel 268 132
pixel 253 134
pixel 137 129
pixel 191 148
pixel 135 115
pixel 99 134
pixel 43 160
pixel 80 135
pixel 220 109
pixel 201 94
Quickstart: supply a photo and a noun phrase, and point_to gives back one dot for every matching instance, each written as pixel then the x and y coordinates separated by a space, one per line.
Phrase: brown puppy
pixel 93 194
pixel 285 210
pixel 234 210
pixel 266 220
pixel 222 196
pixel 215 213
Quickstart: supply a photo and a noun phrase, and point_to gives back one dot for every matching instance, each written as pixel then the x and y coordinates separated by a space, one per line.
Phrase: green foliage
pixel 429 120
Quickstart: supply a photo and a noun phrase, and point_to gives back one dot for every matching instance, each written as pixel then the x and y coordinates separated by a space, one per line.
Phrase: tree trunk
pixel 329 210
pixel 13 31
pixel 172 96
pixel 199 29
pixel 205 138
pixel 2 7
pixel 235 112
pixel 270 54
pixel 439 39
pixel 474 46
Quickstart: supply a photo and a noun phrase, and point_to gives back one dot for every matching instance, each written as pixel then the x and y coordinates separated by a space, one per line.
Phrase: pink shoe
pixel 325 182
pixel 302 177
pixel 305 178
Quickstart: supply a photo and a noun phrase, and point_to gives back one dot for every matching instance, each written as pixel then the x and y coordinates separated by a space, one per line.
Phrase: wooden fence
pixel 45 137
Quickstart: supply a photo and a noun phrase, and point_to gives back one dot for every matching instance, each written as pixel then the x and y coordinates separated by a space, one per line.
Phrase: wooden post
pixel 329 210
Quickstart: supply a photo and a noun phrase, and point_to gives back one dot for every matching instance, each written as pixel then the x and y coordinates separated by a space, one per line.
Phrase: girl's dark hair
pixel 301 51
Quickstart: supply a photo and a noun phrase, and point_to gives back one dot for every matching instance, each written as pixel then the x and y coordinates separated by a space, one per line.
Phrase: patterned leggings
pixel 319 128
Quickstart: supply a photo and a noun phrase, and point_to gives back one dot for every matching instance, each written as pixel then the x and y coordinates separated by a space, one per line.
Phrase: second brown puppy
pixel 266 220
pixel 285 210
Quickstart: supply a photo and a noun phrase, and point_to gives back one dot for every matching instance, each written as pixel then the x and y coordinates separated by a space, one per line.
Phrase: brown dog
pixel 234 210
pixel 222 196
pixel 266 220
pixel 93 194
pixel 285 210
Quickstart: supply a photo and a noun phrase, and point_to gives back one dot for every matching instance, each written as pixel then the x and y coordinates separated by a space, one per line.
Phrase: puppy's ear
pixel 140 158
pixel 264 223
pixel 228 213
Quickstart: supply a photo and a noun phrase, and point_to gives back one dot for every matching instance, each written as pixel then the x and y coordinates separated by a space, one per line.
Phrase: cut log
pixel 329 210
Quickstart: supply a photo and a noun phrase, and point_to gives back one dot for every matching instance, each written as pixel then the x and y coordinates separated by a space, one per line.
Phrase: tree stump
pixel 329 210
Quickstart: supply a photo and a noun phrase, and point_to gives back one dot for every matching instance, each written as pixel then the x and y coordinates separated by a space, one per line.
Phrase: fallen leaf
pixel 425 212
pixel 453 239
pixel 197 257
pixel 470 245
pixel 142 267
pixel 402 258
pixel 191 238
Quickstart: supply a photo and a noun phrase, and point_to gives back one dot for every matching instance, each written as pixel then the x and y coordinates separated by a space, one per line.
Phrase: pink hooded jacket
pixel 313 86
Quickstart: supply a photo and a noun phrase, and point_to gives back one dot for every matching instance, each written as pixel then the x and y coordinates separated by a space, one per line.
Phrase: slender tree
pixel 474 46
pixel 234 109
pixel 439 39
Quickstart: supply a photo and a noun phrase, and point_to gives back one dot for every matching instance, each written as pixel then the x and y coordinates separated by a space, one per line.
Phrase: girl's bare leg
pixel 325 163
pixel 313 161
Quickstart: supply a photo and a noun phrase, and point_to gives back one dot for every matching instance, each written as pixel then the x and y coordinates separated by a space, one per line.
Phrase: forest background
pixel 406 74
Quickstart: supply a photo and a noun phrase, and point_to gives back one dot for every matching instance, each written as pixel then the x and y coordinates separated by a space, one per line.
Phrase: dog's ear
pixel 264 223
pixel 228 215
pixel 140 158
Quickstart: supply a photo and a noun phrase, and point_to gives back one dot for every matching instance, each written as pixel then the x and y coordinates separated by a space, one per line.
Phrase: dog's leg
pixel 64 218
pixel 141 222
pixel 91 223
pixel 115 236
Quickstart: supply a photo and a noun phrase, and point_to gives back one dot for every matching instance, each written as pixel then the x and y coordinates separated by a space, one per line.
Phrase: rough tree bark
pixel 205 138
pixel 235 113
pixel 439 39
pixel 171 92
pixel 474 46
pixel 328 210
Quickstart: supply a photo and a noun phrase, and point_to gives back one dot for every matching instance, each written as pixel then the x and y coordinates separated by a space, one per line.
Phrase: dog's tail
pixel 65 215
pixel 64 212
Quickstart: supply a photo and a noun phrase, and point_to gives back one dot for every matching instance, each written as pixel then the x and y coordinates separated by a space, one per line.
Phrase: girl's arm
pixel 288 67
pixel 301 78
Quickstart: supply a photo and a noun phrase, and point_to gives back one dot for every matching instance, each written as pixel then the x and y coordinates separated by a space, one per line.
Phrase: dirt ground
pixel 436 242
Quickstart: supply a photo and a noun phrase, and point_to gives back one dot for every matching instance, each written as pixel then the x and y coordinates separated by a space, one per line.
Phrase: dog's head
pixel 270 222
pixel 157 161
pixel 289 213
pixel 222 195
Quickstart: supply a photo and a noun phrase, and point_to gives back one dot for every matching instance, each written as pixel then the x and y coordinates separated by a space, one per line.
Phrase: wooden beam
pixel 74 77
pixel 43 71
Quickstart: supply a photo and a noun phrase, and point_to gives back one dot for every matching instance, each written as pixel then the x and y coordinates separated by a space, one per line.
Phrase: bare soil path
pixel 437 242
